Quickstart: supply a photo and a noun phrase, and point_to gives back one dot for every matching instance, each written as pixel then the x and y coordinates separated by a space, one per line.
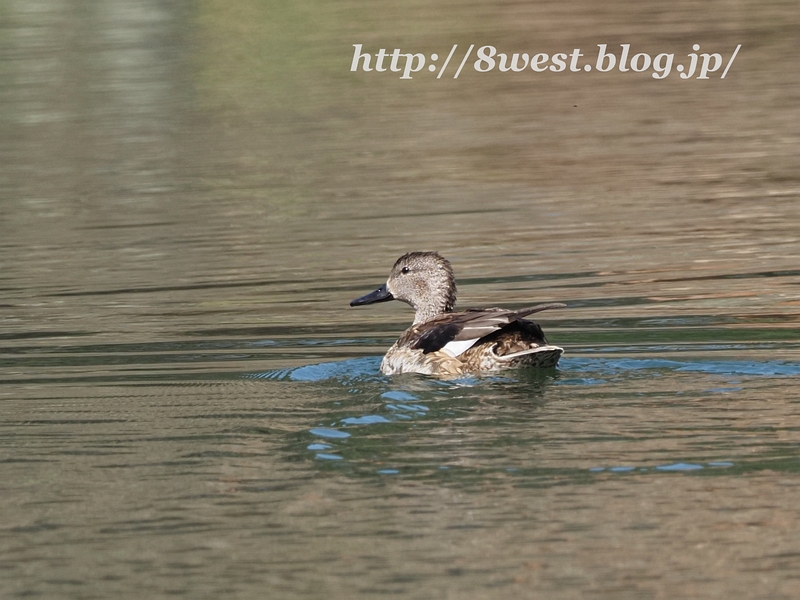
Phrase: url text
pixel 489 59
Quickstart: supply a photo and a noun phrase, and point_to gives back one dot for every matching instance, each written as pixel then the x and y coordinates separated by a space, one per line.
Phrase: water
pixel 191 194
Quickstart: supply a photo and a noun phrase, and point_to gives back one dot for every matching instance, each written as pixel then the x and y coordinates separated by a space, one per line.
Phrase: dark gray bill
pixel 379 295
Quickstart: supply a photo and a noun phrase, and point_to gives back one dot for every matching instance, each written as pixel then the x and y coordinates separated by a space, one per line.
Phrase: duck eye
pixel 404 270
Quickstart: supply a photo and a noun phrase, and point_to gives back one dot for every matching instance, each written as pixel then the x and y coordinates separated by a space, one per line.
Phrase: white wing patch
pixel 455 348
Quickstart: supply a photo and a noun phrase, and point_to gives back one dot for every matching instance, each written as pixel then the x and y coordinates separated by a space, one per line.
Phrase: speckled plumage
pixel 443 342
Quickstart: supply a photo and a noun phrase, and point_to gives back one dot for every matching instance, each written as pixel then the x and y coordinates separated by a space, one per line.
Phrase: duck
pixel 444 342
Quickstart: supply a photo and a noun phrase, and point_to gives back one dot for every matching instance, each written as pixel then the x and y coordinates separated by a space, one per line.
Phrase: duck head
pixel 422 279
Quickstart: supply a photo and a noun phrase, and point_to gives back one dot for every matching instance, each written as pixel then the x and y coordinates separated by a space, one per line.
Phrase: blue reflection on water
pixel 362 369
pixel 398 395
pixel 365 420
pixel 324 456
pixel 417 409
pixel 671 467
pixel 345 369
pixel 318 446
pixel 571 369
pixel 328 433
pixel 402 405
pixel 679 467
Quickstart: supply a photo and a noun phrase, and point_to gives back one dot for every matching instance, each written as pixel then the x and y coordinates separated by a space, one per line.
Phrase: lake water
pixel 192 192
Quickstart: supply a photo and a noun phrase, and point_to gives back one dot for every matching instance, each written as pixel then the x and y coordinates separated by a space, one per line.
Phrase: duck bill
pixel 380 295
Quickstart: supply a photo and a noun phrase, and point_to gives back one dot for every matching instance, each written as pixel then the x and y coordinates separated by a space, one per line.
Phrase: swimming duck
pixel 443 342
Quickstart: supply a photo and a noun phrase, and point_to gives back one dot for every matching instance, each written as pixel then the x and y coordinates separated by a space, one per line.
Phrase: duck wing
pixel 456 332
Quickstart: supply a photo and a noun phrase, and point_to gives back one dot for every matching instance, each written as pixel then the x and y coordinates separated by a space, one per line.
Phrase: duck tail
pixel 541 357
